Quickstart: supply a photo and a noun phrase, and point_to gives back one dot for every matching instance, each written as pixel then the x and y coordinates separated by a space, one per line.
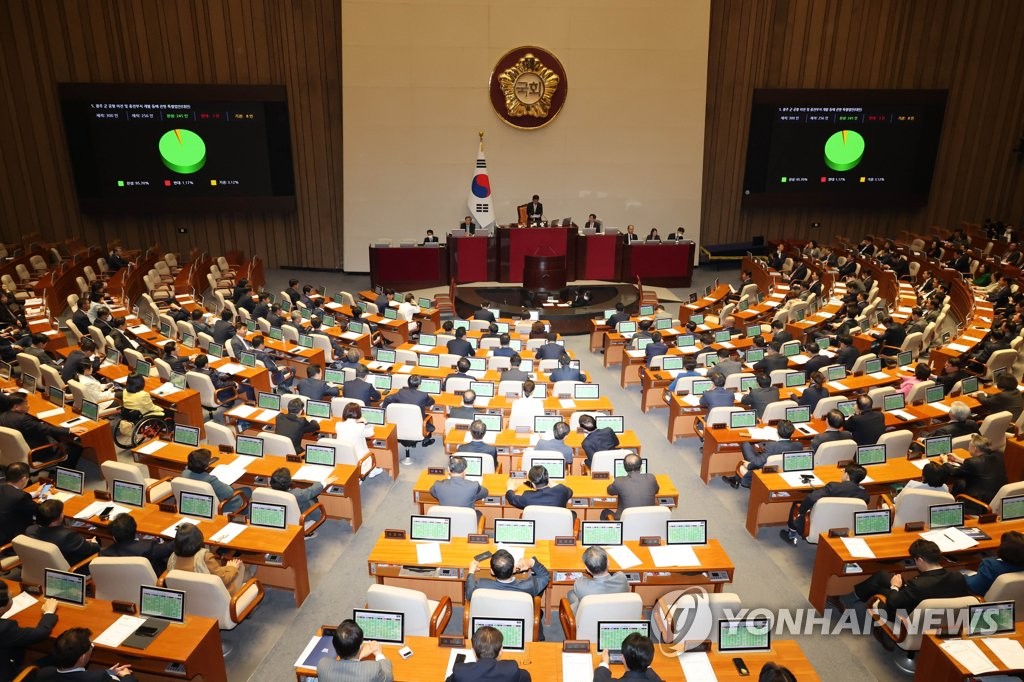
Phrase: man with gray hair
pixel 960 422
pixel 557 442
pixel 466 410
pixel 457 490
pixel 600 580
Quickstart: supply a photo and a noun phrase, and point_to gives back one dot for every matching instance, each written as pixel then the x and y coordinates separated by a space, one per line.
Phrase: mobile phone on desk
pixel 741 667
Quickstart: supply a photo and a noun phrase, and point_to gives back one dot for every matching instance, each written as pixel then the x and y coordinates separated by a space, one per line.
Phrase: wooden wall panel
pixel 973 49
pixel 294 42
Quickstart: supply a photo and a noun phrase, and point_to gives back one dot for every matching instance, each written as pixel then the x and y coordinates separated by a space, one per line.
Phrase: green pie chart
pixel 182 151
pixel 844 150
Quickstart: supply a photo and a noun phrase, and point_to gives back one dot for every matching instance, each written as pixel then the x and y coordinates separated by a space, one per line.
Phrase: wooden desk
pixel 511 444
pixel 935 665
pixel 408 267
pixel 186 403
pixel 98 435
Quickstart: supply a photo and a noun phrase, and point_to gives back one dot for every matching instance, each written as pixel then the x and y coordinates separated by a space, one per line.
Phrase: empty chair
pixel 1008 587
pixel 218 434
pixel 488 603
pixel 834 452
pixel 877 395
pixel 859 363
pixel 202 384
pixel 13 448
pixel 896 443
pixel 720 415
pixel 825 405
pixel 276 444
pixel 776 411
pixel 912 505
pixel 593 608
pixel 917 393
pixel 831 512
pixel 682 631
pixel 644 521
pixel 550 522
pixel 423 617
pixel 994 427
pixel 119 578
pixel 464 520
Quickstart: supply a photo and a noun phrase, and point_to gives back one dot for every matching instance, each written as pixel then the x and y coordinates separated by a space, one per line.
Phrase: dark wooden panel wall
pixel 972 48
pixel 292 42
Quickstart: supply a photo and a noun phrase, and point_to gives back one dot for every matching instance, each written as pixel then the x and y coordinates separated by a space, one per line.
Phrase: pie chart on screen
pixel 844 150
pixel 182 151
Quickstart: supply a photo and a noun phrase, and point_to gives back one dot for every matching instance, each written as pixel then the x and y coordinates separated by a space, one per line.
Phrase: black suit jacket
pixel 81 320
pixel 410 396
pixel 51 675
pixel 535 209
pixel 360 389
pixel 598 440
pixel 156 552
pixel 36 432
pixel 294 426
pixel 866 428
pixel 603 674
pixel 847 357
pixel 554 496
pixel 1011 401
pixel 834 489
pixel 483 314
pixel 488 670
pixel 14 639
pixel 828 437
pixel 980 477
pixel 550 351
pixel 222 331
pixel 937 584
pixel 74 363
pixel 17 512
pixel 72 546
pixel 460 347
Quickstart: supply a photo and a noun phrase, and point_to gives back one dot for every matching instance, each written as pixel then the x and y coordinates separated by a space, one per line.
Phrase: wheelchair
pixel 142 427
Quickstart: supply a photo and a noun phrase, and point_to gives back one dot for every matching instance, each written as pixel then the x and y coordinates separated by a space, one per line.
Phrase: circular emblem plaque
pixel 528 87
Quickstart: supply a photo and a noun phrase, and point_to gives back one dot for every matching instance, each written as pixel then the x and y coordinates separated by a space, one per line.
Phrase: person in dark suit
pixel 293 291
pixel 834 421
pixel 477 446
pixel 960 422
pixel 461 372
pixel 223 385
pixel 504 569
pixel 756 457
pixel 197 468
pixel 223 330
pixel 848 487
pixel 565 371
pixel 655 348
pixel 123 529
pixel 49 527
pixel 71 655
pixel 116 259
pixel 14 639
pixel 596 439
pixel 313 387
pixel 552 350
pixel 557 442
pixel 719 396
pixel 980 476
pixel 81 317
pixel 952 372
pixel 600 581
pixel 631 235
pixel 1009 559
pixel 171 357
pixel 514 373
pixel 593 223
pixel 758 399
pixel 773 359
pixel 535 210
pixel 817 361
pixel 638 654
pixel 38 350
pixel 411 395
pixel 867 424
pixel 457 490
pixel 1008 399
pixel 889 342
pixel 431 238
pixel 847 354
pixel 538 491
pixel 620 315
pixel 487 642
pixel 635 489
pixel 779 332
pixel 466 410
pixel 361 389
pixel 504 350
pixel 483 313
pixel 261 307
pixel 17 508
pixel 459 345
pixel 468 225
pixel 814 392
pixel 275 318
pixel 72 366
pixel 348 665
pixel 37 433
pixel 293 426
pixel 238 342
pixel 281 376
pixel 933 581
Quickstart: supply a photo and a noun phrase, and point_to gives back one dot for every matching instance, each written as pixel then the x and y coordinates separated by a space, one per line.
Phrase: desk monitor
pixel 601 532
pixel 743 419
pixel 1013 508
pixel 873 365
pixel 663 323
pixel 196 504
pixel 794 379
pixel 874 522
pixel 946 515
pixel 753 634
pixel 641 344
pixel 250 326
pixel 142 368
pixel 904 358
pixel 491 421
pixel 427 340
pixel 512 631
pixel 539 390
pixel 306 313
pixel 722 336
pixel 478 365
pixel 474 464
pixel 871 454
pixel 385 355
pixel 91 410
pixel 686 340
pixel 268 401
pixel 555 466
pixel 544 423
pixel 430 360
pixel 423 302
pixel 382 382
pixel 747 383
pixel 708 359
pixel 646 310
pixel 693 297
pixel 615 422
pixel 249 446
pixel 836 373
pixel 69 480
pixel 535 316
pixel 286 304
pixel 707 291
pixel 483 389
pixel 29 383
pixel 672 363
pixel 380 626
pixel 791 348
pixel 991 618
pixel 514 531
pixel 247 359
pixel 628 327
pixel 179 381
pixel 319 409
pixel 165 330
pixel 800 460
pixel 969 385
pixel 799 314
pixel 160 602
pixel 586 391
pixel 701 386
pixel 619 467
pixel 611 634
pixel 63 586
pixel 687 532
pixel 432 528
pixel 430 385
pixel 186 435
pixel 893 401
pixel 865 324
pixel 934 394
pixel 353 328
pixel 276 334
pixel 390 314
pixel 329 321
pixel 823 343
pixel 502 327
pixel 215 350
pixel 126 492
pixel 608 313
pixel 799 415
pixel 938 445
pixel 743 304
pixel 268 515
pixel 753 355
pixel 464 324
pixel 374 415
pixel 753 330
pixel 517 346
pixel 847 407
pixel 55 394
pixel 113 357
pixel 320 454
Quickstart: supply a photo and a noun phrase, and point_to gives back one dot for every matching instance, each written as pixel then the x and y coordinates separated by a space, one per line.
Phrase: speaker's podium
pixel 544 273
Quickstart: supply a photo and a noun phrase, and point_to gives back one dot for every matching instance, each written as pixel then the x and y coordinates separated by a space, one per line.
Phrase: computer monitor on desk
pixel 752 634
pixel 430 528
pixel 387 627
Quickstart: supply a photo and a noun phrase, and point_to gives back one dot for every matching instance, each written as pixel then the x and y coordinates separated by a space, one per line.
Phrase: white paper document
pixel 858 547
pixel 950 539
pixel 901 414
pixel 697 667
pixel 959 347
pixel 313 472
pixel 50 413
pixel 420 348
pixel 165 389
pixel 691 400
pixel 763 433
pixel 267 415
pixel 94 508
pixel 231 368
pixel 172 529
pixel 941 407
pixel 151 447
pixel 577 667
pixel 470 658
pixel 517 551
pixel 792 479
pixel 19 604
pixel 967 653
pixel 228 532
pixel 1009 651
pixel 567 403
pixel 623 556
pixel 878 375
pixel 636 353
pixel 674 555
pixel 228 473
pixel 139 329
pixel 119 631
pixel 428 553
pixel 838 386
pixel 350 336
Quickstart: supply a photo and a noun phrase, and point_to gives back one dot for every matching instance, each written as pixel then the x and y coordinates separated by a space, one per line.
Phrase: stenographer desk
pixel 667 264
pixel 408 267
pixel 934 664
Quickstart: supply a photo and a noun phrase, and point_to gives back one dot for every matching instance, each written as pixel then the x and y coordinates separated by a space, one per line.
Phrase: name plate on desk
pixel 32 588
pixel 632 577
pixel 576 646
pixel 452 642
pixel 518 474
pixel 101 495
pixel 378 444
pixel 125 607
pixel 988 518
pixel 565 541
pixel 772 469
pixel 477 539
pixel 838 532
pixel 650 541
pixel 394 533
pixel 600 475
pixel 167 507
pixel 913 526
pixel 435 471
pixel 294 458
pixel 336 490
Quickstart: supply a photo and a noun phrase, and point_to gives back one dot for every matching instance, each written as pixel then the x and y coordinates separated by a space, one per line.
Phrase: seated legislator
pixel 922 372
pixel 238 342
pixel 678 235
pixel 593 223
pixel 635 489
pixel 557 442
pixel 538 492
pixel 170 356
pixel 933 581
pixel 980 476
pixel 653 235
pixel 655 348
pixel 758 399
pixel 71 655
pixel 190 555
pixel 483 313
pixel 136 397
pixel 14 639
pixel 38 350
pixel 960 422
pixel 719 396
pixel 294 426
pixel 487 642
pixel 126 544
pixel 779 332
pixel 349 360
pixel 314 387
pixel 729 362
pixel 773 359
pixel 952 372
pixel 223 329
pixel 477 446
pixel 466 410
pixel 468 225
pixel 85 353
pixel 595 558
pixel 504 569
pixel 631 235
pixel 689 370
pixel 834 423
pixel 504 350
pixel 755 457
pixel 281 376
pixel 773 672
pixel 411 395
pixel 638 654
pixel 223 384
pixel 17 507
pixel 596 439
pixel 527 406
pixel 535 210
pixel 565 371
pixel 551 350
pixel 867 424
pixel 814 392
pixel 620 315
pixel 281 480
pixel 1009 559
pixel 359 388
pixel 513 373
pixel 848 487
pixel 197 469
pixel 933 477
pixel 354 430
pixel 49 527
pixel 461 372
pixel 459 345
pixel 817 360
pixel 348 664
pixel 1008 398
pixel 847 354
pixel 431 238
pixel 457 490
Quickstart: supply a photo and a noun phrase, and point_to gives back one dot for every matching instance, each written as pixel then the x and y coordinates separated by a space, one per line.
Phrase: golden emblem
pixel 528 87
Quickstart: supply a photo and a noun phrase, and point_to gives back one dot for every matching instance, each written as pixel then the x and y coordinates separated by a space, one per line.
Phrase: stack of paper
pixel 623 556
pixel 1009 651
pixel 94 508
pixel 567 403
pixel 697 667
pixel 674 555
pixel 878 375
pixel 228 532
pixel 858 547
pixel 838 386
pixel 267 415
pixel 577 667
pixel 763 433
pixel 950 539
pixel 428 553
pixel 231 368
pixel 50 413
pixel 242 411
pixel 228 473
pixel 517 551
pixel 959 347
pixel 172 529
pixel 405 369
pixel 119 630
pixel 967 653
pixel 313 472
pixel 165 388
pixel 19 604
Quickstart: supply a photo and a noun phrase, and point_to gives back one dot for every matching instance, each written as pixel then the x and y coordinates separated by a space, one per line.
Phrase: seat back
pixel 51 377
pixel 605 607
pixel 834 452
pixel 204 386
pixel 708 609
pixel 119 578
pixel 276 444
pixel 913 504
pixel 732 382
pixel 1000 359
pixel 36 555
pixel 1008 587
pixel 464 521
pixel 13 447
pixel 720 415
pixel 412 604
pixel 896 443
pixel 994 426
pixel 564 387
pixel 1008 490
pixel 604 460
pixel 832 512
pixel 858 365
pixel 77 394
pixel 457 384
pixel 205 595
pixel 408 420
pixel 825 405
pixel 218 434
pixel 931 616
pixel 345 453
pixel 777 410
pixel 180 484
pixel 877 395
pixel 283 497
pixel 644 521
pixel 550 522
pixel 29 364
pixel 122 471
pixel 508 387
pixel 502 604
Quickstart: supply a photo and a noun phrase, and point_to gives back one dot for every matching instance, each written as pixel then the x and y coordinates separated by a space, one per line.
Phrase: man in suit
pixel 305 497
pixel 466 410
pixel 198 469
pixel 238 342
pixel 14 639
pixel 847 354
pixel 513 373
pixel 773 359
pixel 38 350
pixel 411 395
pixel 761 397
pixel 262 306
pixel 17 508
pixel 37 433
pixel 275 318
pixel 595 558
pixel 282 376
pixel 123 528
pixel 359 388
pixel 565 371
pixel 457 490
pixel 468 225
pixel 888 344
pixel 655 348
pixel 867 424
pixel 959 424
pixel 631 235
pixel 756 457
pixel 504 569
pixel 689 370
pixel 552 350
pixel 848 487
pixel 835 421
pixel 293 291
pixel 222 328
pixel 620 315
pixel 504 350
pixel 71 655
pixel 315 388
pixel 779 332
pixel 637 654
pixel 430 238
pixel 635 489
pixel 483 313
pixel 1008 399
pixel 477 446
pixel 557 442
pixel 952 372
pixel 293 426
pixel 348 665
pixel 814 392
pixel 85 353
pixel 596 439
pixel 81 318
pixel 487 642
pixel 728 362
pixel 49 527
pixel 593 223
pixel 934 581
pixel 980 476
pixel 538 491
pixel 459 345
pixel 818 359
pixel 461 372
pixel 718 396
pixel 534 210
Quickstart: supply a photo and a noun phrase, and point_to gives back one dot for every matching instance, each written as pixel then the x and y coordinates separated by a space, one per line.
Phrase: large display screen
pixel 842 147
pixel 178 148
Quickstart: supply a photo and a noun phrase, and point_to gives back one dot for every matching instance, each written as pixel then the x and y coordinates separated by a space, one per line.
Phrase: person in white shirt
pixel 526 408
pixel 407 309
pixel 93 390
pixel 354 431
